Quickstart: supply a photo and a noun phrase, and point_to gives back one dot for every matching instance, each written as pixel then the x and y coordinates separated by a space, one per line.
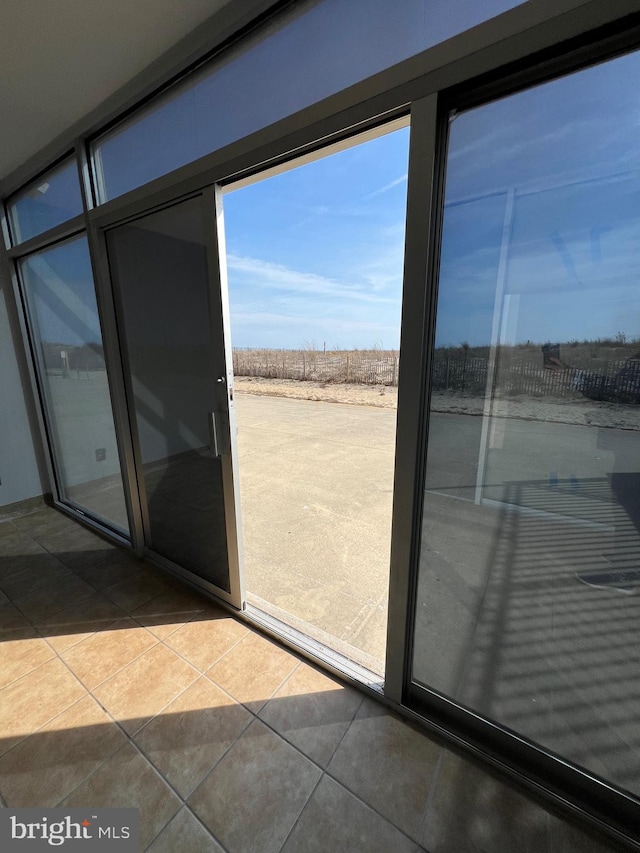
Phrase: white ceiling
pixel 59 59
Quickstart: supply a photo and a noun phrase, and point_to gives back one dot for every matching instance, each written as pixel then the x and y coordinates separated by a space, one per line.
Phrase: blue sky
pixel 569 152
pixel 315 254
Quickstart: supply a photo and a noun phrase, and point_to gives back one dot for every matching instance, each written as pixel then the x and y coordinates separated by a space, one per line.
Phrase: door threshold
pixel 314 647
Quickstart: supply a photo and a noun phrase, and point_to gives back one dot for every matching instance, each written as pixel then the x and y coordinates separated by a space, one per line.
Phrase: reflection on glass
pixel 159 264
pixel 314 50
pixel 49 201
pixel 528 606
pixel 315 280
pixel 64 321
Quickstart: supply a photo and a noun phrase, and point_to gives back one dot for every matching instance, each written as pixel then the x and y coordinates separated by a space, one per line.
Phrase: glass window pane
pixel 49 201
pixel 313 51
pixel 63 315
pixel 528 606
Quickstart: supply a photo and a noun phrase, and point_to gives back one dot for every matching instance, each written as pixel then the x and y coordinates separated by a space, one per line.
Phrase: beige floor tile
pixel 48 765
pixel 117 566
pixel 24 561
pixel 192 734
pixel 334 820
pixel 42 570
pixel 138 589
pixel 76 546
pixel 12 622
pixel 42 522
pixel 185 833
pixel 31 701
pixel 253 670
pixel 6 527
pixel 143 688
pixel 18 552
pixel 254 795
pixel 99 657
pixel 389 765
pixel 21 655
pixel 167 612
pixel 474 810
pixel 312 711
pixel 43 602
pixel 127 780
pixel 205 639
pixel 78 622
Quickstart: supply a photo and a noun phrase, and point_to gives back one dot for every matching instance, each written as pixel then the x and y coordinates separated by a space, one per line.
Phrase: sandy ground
pixel 570 411
pixel 382 396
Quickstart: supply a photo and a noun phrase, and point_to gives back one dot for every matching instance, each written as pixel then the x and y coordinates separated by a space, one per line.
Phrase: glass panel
pixel 315 259
pixel 313 51
pixel 49 201
pixel 159 263
pixel 63 315
pixel 528 605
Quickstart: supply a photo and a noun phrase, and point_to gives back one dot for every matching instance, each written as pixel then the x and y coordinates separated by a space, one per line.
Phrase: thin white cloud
pixel 260 273
pixel 401 180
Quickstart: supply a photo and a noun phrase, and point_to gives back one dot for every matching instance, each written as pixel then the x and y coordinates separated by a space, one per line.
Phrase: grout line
pixel 218 760
pixel 194 616
pixel 117 671
pixel 53 583
pixel 231 648
pixel 201 671
pixel 35 731
pixel 344 734
pixel 372 808
pixel 187 807
pixel 302 810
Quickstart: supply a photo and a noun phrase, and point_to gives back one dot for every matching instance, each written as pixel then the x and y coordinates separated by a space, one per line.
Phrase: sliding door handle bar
pixel 214 443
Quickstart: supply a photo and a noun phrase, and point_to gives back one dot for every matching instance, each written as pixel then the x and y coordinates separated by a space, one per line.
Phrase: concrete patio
pixel 316 482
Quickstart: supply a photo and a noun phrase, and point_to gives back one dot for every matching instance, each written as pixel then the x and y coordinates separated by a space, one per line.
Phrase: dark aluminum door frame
pixel 224 431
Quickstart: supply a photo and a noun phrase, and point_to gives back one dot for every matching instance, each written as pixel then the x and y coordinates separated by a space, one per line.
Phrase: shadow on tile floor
pixel 119 686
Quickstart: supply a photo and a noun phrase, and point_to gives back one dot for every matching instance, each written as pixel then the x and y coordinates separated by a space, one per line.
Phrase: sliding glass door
pixel 164 267
pixel 528 596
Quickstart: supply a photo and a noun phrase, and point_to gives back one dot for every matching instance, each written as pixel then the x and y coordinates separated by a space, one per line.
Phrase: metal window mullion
pixel 84 175
pixel 37 397
pixel 426 156
pixel 115 380
pixel 71 228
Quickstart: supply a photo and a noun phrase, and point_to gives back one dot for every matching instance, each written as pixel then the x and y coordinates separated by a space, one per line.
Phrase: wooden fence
pixel 612 379
pixel 468 375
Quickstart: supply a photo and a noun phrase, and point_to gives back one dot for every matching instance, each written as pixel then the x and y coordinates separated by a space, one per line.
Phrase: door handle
pixel 214 443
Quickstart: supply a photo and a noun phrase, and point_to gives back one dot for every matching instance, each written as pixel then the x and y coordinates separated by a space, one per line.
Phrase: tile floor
pixel 120 686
